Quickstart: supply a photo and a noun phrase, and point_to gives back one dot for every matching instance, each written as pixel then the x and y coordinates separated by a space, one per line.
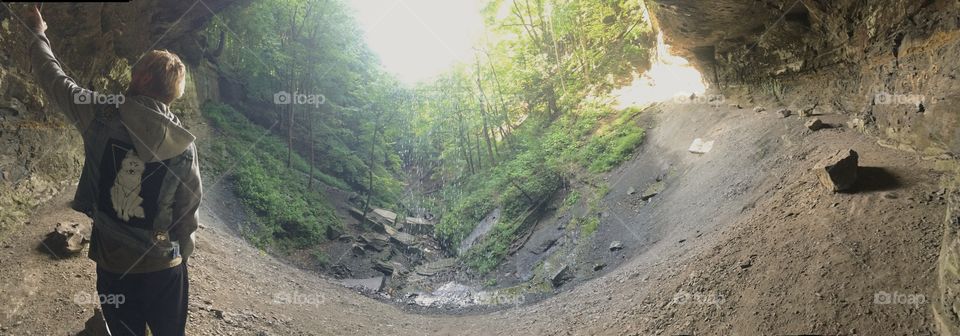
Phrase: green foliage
pixel 289 215
pixel 589 225
pixel 321 258
pixel 314 47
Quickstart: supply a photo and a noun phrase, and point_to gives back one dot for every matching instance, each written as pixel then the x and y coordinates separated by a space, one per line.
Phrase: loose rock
pixel 839 173
pixel 759 109
pixel 67 239
pixel 814 124
pixel 616 245
pixel 783 113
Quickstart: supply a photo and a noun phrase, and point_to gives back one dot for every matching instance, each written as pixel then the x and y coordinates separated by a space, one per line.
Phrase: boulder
pixel 839 171
pixel 561 276
pixel 814 124
pixel 67 239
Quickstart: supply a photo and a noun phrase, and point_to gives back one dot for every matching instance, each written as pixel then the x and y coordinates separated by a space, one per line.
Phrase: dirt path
pixel 741 241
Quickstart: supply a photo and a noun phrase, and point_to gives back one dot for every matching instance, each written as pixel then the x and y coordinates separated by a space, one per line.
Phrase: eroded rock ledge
pixel 890 65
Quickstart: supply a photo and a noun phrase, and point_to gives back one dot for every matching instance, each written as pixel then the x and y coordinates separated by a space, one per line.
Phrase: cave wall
pixel 891 66
pixel 40 153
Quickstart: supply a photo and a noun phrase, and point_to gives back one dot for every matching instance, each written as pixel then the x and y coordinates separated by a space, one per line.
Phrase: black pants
pixel 133 301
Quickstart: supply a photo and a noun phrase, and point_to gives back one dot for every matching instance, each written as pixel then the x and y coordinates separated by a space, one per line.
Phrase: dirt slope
pixel 741 241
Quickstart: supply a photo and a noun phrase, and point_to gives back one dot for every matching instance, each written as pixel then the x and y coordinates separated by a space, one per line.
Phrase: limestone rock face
pixel 96 43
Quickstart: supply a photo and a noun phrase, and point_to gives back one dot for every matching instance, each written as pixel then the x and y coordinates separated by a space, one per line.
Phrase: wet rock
pixel 839 172
pixel 783 113
pixel 67 239
pixel 814 124
pixel 561 276
pixel 616 245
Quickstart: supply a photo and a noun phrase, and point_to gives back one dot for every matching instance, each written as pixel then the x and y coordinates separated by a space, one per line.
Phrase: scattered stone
pixel 840 171
pixel 598 267
pixel 699 146
pixel 647 195
pixel 759 109
pixel 67 239
pixel 561 276
pixel 616 245
pixel 814 124
pixel 783 113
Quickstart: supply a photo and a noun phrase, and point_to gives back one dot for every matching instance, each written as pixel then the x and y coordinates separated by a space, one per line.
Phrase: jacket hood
pixel 156 132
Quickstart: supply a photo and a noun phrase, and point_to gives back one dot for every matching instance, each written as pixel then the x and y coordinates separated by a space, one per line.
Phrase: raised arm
pixel 62 91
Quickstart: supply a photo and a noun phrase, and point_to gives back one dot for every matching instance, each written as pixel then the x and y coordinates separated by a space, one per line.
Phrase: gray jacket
pixel 140 181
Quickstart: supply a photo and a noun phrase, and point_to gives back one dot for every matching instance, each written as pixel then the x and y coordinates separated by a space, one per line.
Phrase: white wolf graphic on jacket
pixel 125 193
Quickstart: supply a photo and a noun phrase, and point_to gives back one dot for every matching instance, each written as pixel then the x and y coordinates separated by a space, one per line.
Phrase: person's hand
pixel 34 20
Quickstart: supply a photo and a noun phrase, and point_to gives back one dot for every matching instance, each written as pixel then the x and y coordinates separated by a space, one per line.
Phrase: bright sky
pixel 419 39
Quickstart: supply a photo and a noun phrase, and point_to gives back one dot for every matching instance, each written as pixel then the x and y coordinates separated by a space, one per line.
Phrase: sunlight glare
pixel 419 39
pixel 670 76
